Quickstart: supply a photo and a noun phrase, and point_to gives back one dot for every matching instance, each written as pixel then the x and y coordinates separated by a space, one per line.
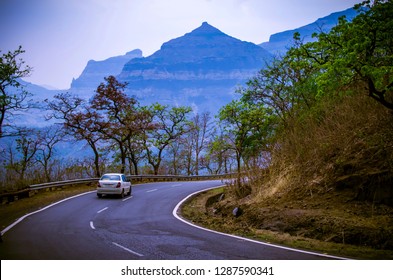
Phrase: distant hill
pixel 280 42
pixel 95 71
pixel 35 116
pixel 200 69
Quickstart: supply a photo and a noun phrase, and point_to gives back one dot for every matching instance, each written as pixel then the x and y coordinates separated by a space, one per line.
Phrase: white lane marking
pixel 126 249
pixel 176 185
pixel 175 213
pixel 92 225
pixel 40 210
pixel 127 198
pixel 102 210
pixel 153 190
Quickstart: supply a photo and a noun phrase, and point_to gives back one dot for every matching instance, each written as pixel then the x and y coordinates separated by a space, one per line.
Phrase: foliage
pixel 357 52
pixel 246 128
pixel 117 117
pixel 79 121
pixel 286 99
pixel 282 106
pixel 12 95
pixel 169 125
pixel 283 87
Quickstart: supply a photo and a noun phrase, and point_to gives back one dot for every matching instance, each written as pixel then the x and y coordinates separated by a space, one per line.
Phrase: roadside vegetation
pixel 296 225
pixel 310 138
pixel 324 147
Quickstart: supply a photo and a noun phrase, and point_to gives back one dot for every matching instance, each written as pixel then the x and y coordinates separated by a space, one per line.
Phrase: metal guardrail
pixel 61 183
pixel 28 191
pixel 135 178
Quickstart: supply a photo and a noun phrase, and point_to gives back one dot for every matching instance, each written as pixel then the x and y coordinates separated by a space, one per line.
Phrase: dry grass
pixel 270 223
pixel 352 140
pixel 328 188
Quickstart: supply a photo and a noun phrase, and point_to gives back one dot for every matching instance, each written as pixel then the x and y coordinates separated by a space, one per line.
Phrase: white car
pixel 114 183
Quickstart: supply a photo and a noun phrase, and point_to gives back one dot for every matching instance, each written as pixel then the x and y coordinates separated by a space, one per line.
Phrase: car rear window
pixel 110 178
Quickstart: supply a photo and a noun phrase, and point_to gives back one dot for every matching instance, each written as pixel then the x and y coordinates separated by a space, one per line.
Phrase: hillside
pixel 318 163
pixel 327 192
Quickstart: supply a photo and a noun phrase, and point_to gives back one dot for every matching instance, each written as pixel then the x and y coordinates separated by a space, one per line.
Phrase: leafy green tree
pixel 357 52
pixel 284 87
pixel 246 128
pixel 12 95
pixel 135 144
pixel 218 156
pixel 169 125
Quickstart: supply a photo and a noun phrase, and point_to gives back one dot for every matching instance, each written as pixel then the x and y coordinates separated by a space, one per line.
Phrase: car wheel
pixel 129 192
pixel 122 193
pixel 99 195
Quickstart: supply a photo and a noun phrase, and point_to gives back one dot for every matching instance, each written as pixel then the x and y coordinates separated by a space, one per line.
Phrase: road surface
pixel 143 226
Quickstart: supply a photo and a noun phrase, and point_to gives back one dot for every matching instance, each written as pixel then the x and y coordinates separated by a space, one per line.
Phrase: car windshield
pixel 110 178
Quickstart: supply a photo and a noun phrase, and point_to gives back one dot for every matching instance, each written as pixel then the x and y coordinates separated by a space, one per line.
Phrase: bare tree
pixel 79 121
pixel 49 137
pixel 22 156
pixel 199 135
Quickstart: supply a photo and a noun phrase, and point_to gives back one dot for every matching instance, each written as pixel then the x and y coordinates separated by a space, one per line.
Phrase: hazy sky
pixel 61 36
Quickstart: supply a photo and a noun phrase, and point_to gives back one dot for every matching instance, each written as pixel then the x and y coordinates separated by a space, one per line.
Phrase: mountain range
pixel 95 71
pixel 201 69
pixel 280 42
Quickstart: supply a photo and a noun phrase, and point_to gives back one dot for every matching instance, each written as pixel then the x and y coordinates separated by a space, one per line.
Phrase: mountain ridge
pixel 205 48
pixel 281 41
pixel 203 68
pixel 95 71
pixel 193 68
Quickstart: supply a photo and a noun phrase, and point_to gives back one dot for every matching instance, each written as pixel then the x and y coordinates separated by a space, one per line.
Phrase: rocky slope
pixel 95 71
pixel 200 69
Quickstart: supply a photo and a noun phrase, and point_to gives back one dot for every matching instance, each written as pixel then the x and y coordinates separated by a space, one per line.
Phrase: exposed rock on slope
pixel 95 71
pixel 201 69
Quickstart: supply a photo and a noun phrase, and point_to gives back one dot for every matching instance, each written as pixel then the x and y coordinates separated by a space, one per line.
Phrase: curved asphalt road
pixel 142 226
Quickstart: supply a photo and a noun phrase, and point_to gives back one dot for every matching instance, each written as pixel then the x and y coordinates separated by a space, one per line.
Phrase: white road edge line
pixel 153 190
pixel 175 214
pixel 102 210
pixel 126 249
pixel 40 210
pixel 92 225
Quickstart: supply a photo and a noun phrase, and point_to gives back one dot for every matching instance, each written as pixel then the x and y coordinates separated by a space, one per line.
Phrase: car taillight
pixel 118 185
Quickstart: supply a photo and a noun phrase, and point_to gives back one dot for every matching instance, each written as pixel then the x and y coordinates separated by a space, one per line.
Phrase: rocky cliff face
pixel 280 42
pixel 95 71
pixel 199 68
